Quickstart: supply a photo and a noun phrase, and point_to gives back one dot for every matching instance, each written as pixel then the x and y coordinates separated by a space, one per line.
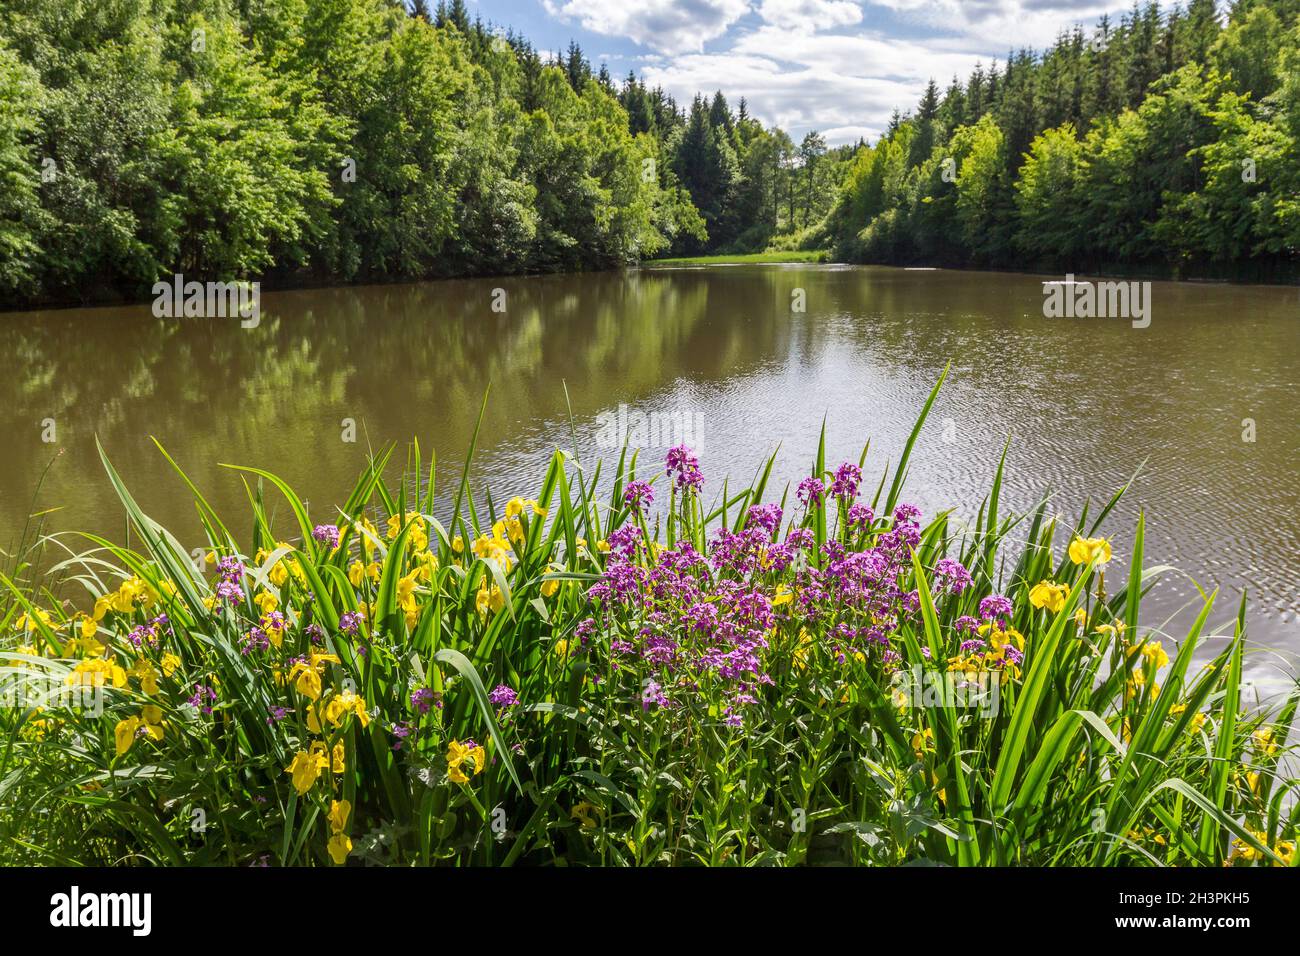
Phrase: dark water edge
pixel 1280 272
pixel 1286 272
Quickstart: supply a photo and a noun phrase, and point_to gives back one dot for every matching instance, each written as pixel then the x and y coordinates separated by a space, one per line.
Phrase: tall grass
pixel 580 679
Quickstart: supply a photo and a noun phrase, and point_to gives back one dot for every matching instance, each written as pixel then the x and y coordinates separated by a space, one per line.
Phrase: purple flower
pixel 230 569
pixel 142 634
pixel 861 516
pixel 801 538
pixel 638 495
pixel 847 478
pixel 203 698
pixel 350 623
pixel 326 534
pixel 682 463
pixel 423 698
pixel 230 592
pixel 768 517
pixel 811 492
pixel 906 514
pixel 623 542
pixel 503 696
pixel 951 575
pixel 653 696
pixel 256 640
pixel 995 605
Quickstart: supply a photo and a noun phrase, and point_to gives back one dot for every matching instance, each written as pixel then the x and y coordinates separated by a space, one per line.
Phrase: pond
pixel 736 360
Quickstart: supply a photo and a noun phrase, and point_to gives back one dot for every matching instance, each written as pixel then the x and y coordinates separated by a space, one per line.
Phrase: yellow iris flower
pixel 266 601
pixel 489 599
pixel 1048 594
pixel 339 847
pixel 340 705
pixel 306 674
pixel 1083 550
pixel 306 768
pixel 457 754
pixel 96 672
pixel 149 721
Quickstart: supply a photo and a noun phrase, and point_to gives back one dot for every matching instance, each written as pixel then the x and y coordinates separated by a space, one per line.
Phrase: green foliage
pixel 20 94
pixel 1167 141
pixel 1046 194
pixel 344 139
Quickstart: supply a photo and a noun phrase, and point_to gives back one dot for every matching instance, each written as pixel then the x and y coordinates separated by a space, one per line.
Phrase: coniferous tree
pixel 926 115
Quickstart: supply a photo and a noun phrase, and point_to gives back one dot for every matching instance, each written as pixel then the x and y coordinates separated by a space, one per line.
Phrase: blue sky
pixel 839 66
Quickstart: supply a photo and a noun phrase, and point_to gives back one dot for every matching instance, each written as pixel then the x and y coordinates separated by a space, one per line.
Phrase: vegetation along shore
pixel 656 667
pixel 356 141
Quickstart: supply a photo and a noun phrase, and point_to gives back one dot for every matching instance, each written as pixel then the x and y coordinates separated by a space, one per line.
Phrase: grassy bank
pixel 816 255
pixel 639 665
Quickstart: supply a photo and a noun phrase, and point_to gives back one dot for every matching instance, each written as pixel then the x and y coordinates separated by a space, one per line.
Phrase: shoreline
pixel 819 257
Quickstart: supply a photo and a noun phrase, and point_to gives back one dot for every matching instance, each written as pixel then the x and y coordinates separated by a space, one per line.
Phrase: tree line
pixel 369 140
pixel 1167 140
pixel 351 140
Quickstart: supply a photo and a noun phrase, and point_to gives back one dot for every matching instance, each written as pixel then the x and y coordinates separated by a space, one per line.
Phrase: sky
pixel 838 66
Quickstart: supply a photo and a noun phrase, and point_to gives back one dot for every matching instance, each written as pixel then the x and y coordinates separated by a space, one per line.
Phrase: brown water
pixel 718 354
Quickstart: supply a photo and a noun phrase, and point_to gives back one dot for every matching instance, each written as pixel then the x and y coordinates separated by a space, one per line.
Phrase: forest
pixel 367 140
pixel 1167 142
pixel 355 140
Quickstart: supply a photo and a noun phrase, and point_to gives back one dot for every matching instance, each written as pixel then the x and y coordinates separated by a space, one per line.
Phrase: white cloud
pixel 810 14
pixel 838 135
pixel 669 26
pixel 794 98
pixel 861 54
pixel 845 86
pixel 1002 24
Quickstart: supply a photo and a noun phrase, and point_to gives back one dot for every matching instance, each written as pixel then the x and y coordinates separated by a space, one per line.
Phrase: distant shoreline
pixel 823 257
pixel 816 255
pixel 794 257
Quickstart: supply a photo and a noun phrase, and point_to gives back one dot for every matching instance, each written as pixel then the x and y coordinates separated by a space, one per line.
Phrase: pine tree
pixel 1195 34
pixel 952 112
pixel 460 15
pixel 926 113
pixel 975 93
pixel 720 114
pixel 576 67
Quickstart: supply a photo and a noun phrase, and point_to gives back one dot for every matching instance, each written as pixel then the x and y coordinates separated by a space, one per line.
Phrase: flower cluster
pixel 683 467
pixel 695 626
